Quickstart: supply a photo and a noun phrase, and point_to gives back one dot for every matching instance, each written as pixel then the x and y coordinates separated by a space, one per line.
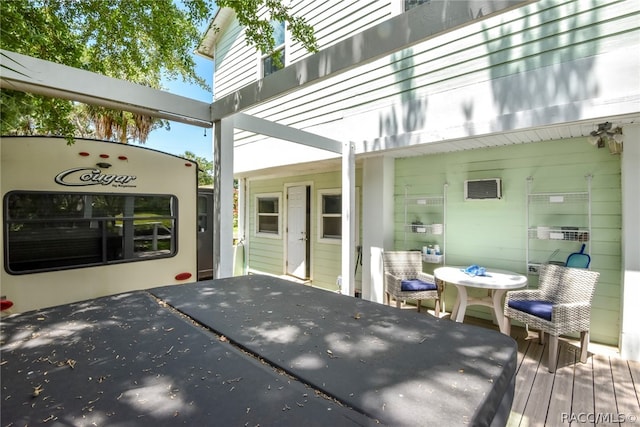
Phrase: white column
pixel 348 220
pixel 630 330
pixel 223 198
pixel 377 223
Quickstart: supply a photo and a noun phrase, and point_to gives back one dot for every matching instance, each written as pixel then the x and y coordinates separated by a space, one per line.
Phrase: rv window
pixel 203 214
pixel 53 231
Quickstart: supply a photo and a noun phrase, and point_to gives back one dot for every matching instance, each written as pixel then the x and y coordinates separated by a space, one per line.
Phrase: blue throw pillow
pixel 538 308
pixel 417 285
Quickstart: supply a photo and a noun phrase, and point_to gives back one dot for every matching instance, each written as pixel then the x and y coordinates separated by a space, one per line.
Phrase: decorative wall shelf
pixel 556 223
pixel 425 224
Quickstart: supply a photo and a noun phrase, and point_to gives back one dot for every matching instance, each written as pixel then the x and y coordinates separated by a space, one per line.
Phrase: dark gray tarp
pixel 252 350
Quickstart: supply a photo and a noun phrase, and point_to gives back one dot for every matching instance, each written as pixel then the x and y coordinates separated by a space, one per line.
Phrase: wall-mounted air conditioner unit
pixel 483 189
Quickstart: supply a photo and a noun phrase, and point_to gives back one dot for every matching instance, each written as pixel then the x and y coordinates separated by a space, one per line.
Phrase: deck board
pixel 597 392
pixel 525 378
pixel 634 368
pixel 605 398
pixel 583 385
pixel 626 400
pixel 562 394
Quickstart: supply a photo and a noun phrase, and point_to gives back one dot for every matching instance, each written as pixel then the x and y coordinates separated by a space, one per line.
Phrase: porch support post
pixel 630 332
pixel 348 220
pixel 377 220
pixel 223 198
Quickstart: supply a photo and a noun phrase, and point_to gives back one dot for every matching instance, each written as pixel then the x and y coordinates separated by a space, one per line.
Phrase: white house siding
pixel 492 233
pixel 546 63
pixel 335 20
pixel 235 64
pixel 266 254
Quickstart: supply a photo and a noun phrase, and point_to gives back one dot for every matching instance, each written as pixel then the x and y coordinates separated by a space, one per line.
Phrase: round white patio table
pixel 496 282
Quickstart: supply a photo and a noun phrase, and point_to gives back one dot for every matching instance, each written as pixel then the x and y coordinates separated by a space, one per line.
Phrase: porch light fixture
pixel 607 135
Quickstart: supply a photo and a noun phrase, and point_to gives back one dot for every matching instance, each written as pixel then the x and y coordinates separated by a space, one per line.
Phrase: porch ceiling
pixel 522 136
pixel 407 149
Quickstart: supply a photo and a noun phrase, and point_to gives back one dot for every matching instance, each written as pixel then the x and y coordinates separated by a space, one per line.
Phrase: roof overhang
pixel 223 18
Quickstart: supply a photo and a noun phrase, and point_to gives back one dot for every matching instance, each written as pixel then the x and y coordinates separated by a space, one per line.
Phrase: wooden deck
pixel 603 391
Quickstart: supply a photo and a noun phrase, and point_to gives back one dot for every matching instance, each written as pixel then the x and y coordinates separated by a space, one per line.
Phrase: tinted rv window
pixel 52 231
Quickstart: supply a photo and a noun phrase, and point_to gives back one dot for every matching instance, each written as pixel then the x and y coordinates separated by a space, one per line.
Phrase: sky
pixel 184 137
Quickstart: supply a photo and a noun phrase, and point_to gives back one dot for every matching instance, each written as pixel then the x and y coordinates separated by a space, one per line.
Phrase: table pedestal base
pixel 493 300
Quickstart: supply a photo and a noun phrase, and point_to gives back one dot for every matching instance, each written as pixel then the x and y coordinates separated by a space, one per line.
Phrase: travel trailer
pixel 91 218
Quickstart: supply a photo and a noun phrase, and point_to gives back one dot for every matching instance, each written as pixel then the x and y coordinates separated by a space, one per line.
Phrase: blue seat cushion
pixel 417 285
pixel 538 308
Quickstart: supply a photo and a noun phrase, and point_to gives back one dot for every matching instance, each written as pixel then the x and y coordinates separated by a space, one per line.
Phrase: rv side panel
pixel 92 218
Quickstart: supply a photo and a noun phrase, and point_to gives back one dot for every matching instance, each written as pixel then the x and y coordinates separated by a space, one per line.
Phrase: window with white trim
pixel 268 214
pixel 269 64
pixel 330 215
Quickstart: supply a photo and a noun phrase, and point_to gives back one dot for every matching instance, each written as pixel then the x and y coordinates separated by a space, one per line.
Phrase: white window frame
pixel 259 233
pixel 319 223
pixel 320 215
pixel 280 47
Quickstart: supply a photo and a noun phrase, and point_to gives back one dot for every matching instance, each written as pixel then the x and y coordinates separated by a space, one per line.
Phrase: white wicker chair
pixel 563 293
pixel 407 265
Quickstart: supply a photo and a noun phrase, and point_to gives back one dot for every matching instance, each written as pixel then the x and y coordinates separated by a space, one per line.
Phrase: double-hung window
pixel 269 62
pixel 330 213
pixel 268 214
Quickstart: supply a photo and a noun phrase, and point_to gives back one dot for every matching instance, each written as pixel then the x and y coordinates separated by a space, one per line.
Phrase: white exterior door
pixel 297 239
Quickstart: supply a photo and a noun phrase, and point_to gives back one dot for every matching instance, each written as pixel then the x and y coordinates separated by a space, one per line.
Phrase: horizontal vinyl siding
pixel 398 88
pixel 337 20
pixel 235 63
pixel 493 233
pixel 267 255
pixel 326 257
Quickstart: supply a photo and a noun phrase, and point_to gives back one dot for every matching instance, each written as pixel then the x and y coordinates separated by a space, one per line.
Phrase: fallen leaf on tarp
pixel 37 390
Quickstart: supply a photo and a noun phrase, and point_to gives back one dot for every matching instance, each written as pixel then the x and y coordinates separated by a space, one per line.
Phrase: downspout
pixel 243 220
pixel 348 220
